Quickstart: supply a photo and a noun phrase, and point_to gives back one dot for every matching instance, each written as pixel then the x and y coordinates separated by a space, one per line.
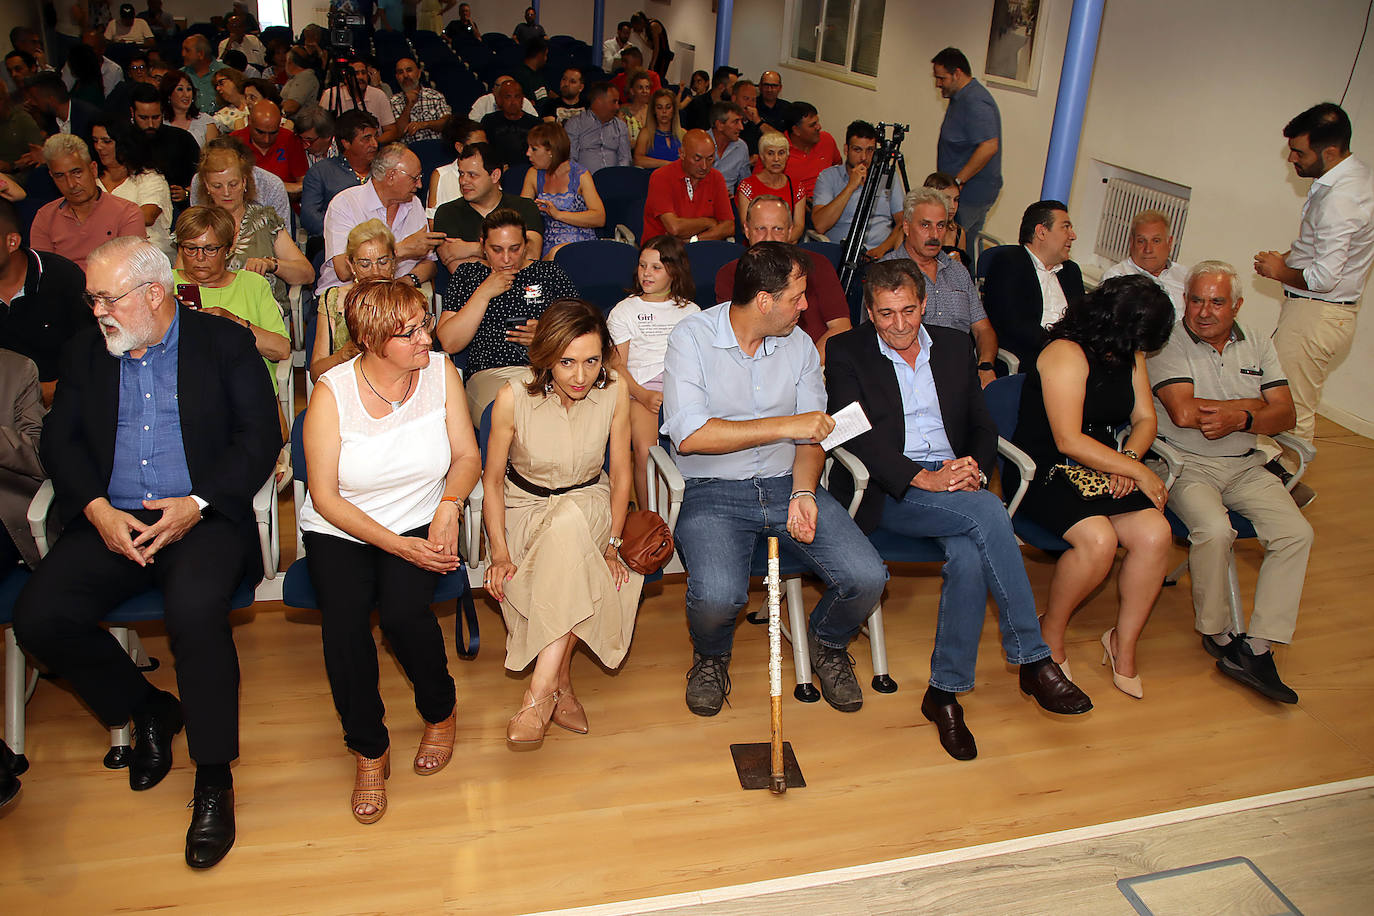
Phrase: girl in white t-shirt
pixel 640 325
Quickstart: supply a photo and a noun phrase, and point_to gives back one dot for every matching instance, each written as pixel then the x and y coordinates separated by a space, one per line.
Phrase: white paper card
pixel 850 421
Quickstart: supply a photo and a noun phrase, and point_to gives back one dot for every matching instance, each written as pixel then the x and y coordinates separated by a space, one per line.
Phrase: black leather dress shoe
pixel 948 719
pixel 153 734
pixel 9 775
pixel 1054 692
pixel 211 834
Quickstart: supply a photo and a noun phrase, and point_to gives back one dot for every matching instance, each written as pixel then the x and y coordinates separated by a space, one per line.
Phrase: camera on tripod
pixel 344 17
pixel 887 161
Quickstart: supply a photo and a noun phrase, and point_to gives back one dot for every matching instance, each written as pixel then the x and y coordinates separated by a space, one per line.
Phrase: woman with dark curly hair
pixel 1087 382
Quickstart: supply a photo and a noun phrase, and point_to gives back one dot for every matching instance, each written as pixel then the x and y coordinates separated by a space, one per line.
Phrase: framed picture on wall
pixel 1015 46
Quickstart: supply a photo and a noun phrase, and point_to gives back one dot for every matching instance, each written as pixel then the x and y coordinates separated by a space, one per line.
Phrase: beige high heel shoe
pixel 530 724
pixel 568 713
pixel 1130 686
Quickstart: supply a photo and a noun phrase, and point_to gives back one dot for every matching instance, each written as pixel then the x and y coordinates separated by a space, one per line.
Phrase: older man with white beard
pixel 149 501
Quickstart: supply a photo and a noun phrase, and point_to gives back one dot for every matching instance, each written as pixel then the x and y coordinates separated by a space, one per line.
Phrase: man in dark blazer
pixel 1027 289
pixel 163 428
pixel 931 440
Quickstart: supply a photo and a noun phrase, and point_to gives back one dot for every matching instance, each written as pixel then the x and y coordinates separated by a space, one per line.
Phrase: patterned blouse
pixel 257 239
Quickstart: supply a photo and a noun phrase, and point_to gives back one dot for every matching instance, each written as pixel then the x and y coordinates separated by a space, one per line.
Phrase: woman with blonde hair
pixel 772 179
pixel 561 188
pixel 553 517
pixel 663 144
pixel 262 241
pixel 391 459
pixel 371 252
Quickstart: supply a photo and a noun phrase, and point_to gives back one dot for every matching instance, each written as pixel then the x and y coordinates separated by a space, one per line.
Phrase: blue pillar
pixel 1074 81
pixel 725 14
pixel 598 29
pixel 535 4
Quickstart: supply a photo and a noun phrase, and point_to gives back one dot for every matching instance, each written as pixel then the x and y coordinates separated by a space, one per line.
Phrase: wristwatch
pixel 1249 421
pixel 617 542
pixel 414 279
pixel 986 367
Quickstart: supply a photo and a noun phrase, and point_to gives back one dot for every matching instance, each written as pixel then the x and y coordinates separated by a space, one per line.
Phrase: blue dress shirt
pixel 887 207
pixel 707 375
pixel 149 456
pixel 925 426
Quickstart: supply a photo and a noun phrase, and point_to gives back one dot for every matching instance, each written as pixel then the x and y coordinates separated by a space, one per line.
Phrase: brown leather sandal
pixel 369 787
pixel 437 743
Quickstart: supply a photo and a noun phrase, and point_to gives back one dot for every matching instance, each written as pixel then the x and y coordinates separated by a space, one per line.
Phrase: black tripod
pixel 887 161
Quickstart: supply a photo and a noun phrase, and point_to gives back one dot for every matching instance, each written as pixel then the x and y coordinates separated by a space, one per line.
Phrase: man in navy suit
pixel 1028 288
pixel 163 428
pixel 931 441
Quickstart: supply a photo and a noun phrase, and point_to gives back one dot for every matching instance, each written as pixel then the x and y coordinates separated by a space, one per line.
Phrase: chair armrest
pixel 1303 449
pixel 851 463
pixel 38 516
pixel 813 235
pixel 471 526
pixel 1173 460
pixel 624 234
pixel 664 473
pixel 269 535
pixel 1024 465
pixel 296 328
pixel 1010 360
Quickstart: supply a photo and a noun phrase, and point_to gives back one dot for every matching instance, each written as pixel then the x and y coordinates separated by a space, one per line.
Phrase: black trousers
pixel 351 579
pixel 57 619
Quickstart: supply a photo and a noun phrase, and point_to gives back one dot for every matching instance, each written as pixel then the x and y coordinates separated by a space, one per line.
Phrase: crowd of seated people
pixel 168 239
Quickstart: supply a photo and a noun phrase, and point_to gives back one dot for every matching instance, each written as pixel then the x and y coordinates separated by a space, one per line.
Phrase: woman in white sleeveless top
pixel 390 456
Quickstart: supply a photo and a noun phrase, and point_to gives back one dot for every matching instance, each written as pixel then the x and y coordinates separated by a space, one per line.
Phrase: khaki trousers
pixel 1311 340
pixel 482 388
pixel 1205 489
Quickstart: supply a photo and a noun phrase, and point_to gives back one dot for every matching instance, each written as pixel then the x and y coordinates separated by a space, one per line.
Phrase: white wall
pixel 1196 93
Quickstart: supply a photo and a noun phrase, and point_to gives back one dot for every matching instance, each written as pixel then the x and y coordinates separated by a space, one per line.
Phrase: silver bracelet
pixel 797 493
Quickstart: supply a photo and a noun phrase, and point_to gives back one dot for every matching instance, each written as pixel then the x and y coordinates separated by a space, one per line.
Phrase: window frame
pixel 840 73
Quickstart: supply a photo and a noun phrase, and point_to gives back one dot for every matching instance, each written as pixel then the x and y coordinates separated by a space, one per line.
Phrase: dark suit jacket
pixel 83 115
pixel 229 421
pixel 856 370
pixel 1011 297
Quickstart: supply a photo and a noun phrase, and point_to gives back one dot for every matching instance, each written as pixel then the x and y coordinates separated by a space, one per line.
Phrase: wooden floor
pixel 649 804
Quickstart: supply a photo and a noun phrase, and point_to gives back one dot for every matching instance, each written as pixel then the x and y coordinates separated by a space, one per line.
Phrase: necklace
pixel 395 405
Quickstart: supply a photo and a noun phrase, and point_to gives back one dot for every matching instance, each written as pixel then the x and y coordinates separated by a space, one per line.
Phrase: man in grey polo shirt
pixel 1218 387
pixel 951 297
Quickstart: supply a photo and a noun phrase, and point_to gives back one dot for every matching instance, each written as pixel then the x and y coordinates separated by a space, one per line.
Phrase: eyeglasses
pixel 201 251
pixel 414 179
pixel 427 325
pixel 93 300
pixel 383 262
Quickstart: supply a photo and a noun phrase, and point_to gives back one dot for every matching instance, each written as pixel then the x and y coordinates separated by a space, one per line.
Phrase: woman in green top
pixel 371 252
pixel 204 237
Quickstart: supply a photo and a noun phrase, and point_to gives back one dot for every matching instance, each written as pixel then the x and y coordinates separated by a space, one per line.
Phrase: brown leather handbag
pixel 647 542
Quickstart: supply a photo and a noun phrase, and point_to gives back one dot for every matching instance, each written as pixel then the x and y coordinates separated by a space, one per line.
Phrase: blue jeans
pixel 717 532
pixel 981 555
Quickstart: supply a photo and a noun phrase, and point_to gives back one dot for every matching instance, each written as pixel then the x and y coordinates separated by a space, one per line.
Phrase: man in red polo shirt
pixel 689 199
pixel 812 150
pixel 278 151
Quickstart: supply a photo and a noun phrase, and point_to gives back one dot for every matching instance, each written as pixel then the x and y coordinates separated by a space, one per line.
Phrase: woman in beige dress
pixel 553 516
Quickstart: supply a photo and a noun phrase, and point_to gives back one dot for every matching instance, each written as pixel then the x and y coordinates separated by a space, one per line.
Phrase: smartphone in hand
pixel 188 294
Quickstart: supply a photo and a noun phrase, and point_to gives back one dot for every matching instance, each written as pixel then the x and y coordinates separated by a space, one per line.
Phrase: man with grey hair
pixel 389 197
pixel 315 129
pixel 200 65
pixel 951 297
pixel 148 501
pixel 1217 387
pixel 85 216
pixel 1151 243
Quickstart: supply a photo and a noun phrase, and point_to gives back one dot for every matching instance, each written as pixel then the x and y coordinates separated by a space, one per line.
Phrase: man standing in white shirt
pixel 240 40
pixel 1151 243
pixel 611 48
pixel 1324 271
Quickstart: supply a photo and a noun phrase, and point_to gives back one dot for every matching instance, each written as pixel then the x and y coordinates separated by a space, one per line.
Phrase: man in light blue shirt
pixel 839 188
pixel 732 153
pixel 596 137
pixel 970 144
pixel 743 403
pixel 931 441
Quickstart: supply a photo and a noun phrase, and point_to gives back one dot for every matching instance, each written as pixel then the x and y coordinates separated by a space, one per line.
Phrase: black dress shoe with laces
pixel 211 834
pixel 948 719
pixel 9 775
pixel 154 730
pixel 1257 672
pixel 1046 682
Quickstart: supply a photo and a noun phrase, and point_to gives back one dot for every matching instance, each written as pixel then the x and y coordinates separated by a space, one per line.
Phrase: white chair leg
pixel 136 650
pixel 120 736
pixel 1173 577
pixel 1233 595
pixel 877 644
pixel 801 650
pixel 14 694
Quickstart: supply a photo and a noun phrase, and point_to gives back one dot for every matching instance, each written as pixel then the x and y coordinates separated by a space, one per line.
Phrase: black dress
pixel 1108 399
